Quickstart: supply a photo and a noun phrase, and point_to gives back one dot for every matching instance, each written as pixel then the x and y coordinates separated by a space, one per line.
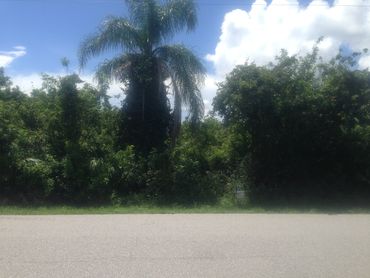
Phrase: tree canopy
pixel 307 122
pixel 145 63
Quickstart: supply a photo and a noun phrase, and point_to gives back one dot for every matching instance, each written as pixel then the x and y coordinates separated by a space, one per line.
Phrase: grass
pixel 133 209
pixel 147 209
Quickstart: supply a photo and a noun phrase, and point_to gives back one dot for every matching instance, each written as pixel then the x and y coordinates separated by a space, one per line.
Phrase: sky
pixel 36 34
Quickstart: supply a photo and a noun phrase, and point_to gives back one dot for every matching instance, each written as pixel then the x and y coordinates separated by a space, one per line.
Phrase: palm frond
pixel 115 32
pixel 146 16
pixel 138 9
pixel 187 73
pixel 115 69
pixel 177 15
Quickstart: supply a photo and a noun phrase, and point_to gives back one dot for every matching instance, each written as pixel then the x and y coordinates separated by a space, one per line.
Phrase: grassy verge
pixel 68 210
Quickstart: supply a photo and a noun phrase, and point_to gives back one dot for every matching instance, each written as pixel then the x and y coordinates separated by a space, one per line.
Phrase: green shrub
pixel 307 123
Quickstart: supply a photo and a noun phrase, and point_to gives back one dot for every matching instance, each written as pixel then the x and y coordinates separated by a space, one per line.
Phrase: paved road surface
pixel 238 245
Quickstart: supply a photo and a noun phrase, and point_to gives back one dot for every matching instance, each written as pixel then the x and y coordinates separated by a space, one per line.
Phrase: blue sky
pixel 52 29
pixel 36 34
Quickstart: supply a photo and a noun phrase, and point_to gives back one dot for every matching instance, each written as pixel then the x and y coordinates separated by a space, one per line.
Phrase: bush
pixel 307 124
pixel 34 180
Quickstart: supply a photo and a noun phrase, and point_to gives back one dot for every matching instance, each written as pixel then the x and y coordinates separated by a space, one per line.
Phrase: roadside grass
pixel 152 209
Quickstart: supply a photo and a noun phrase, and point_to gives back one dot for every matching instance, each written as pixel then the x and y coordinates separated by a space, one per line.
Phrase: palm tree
pixel 149 69
pixel 65 63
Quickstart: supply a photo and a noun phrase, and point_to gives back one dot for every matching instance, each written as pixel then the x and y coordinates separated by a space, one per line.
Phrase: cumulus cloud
pixel 7 57
pixel 258 34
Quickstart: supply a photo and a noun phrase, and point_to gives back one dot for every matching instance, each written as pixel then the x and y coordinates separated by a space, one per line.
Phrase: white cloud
pixel 27 82
pixel 258 35
pixel 364 62
pixel 7 57
pixel 209 92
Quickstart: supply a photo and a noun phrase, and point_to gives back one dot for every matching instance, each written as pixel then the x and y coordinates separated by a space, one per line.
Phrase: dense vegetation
pixel 306 125
pixel 298 129
pixel 295 130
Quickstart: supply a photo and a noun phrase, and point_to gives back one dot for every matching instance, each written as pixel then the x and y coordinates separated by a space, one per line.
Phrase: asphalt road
pixel 237 245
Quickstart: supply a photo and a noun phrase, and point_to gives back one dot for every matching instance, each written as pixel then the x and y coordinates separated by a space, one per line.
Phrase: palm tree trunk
pixel 143 107
pixel 176 116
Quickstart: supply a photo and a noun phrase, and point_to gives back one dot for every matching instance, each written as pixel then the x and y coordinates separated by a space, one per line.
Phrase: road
pixel 197 245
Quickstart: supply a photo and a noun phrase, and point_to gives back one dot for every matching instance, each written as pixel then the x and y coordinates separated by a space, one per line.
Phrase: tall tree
pixel 4 80
pixel 144 66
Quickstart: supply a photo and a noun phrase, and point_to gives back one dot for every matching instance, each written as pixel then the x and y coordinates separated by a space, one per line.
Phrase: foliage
pixel 60 145
pixel 145 65
pixel 201 162
pixel 307 121
pixel 296 130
